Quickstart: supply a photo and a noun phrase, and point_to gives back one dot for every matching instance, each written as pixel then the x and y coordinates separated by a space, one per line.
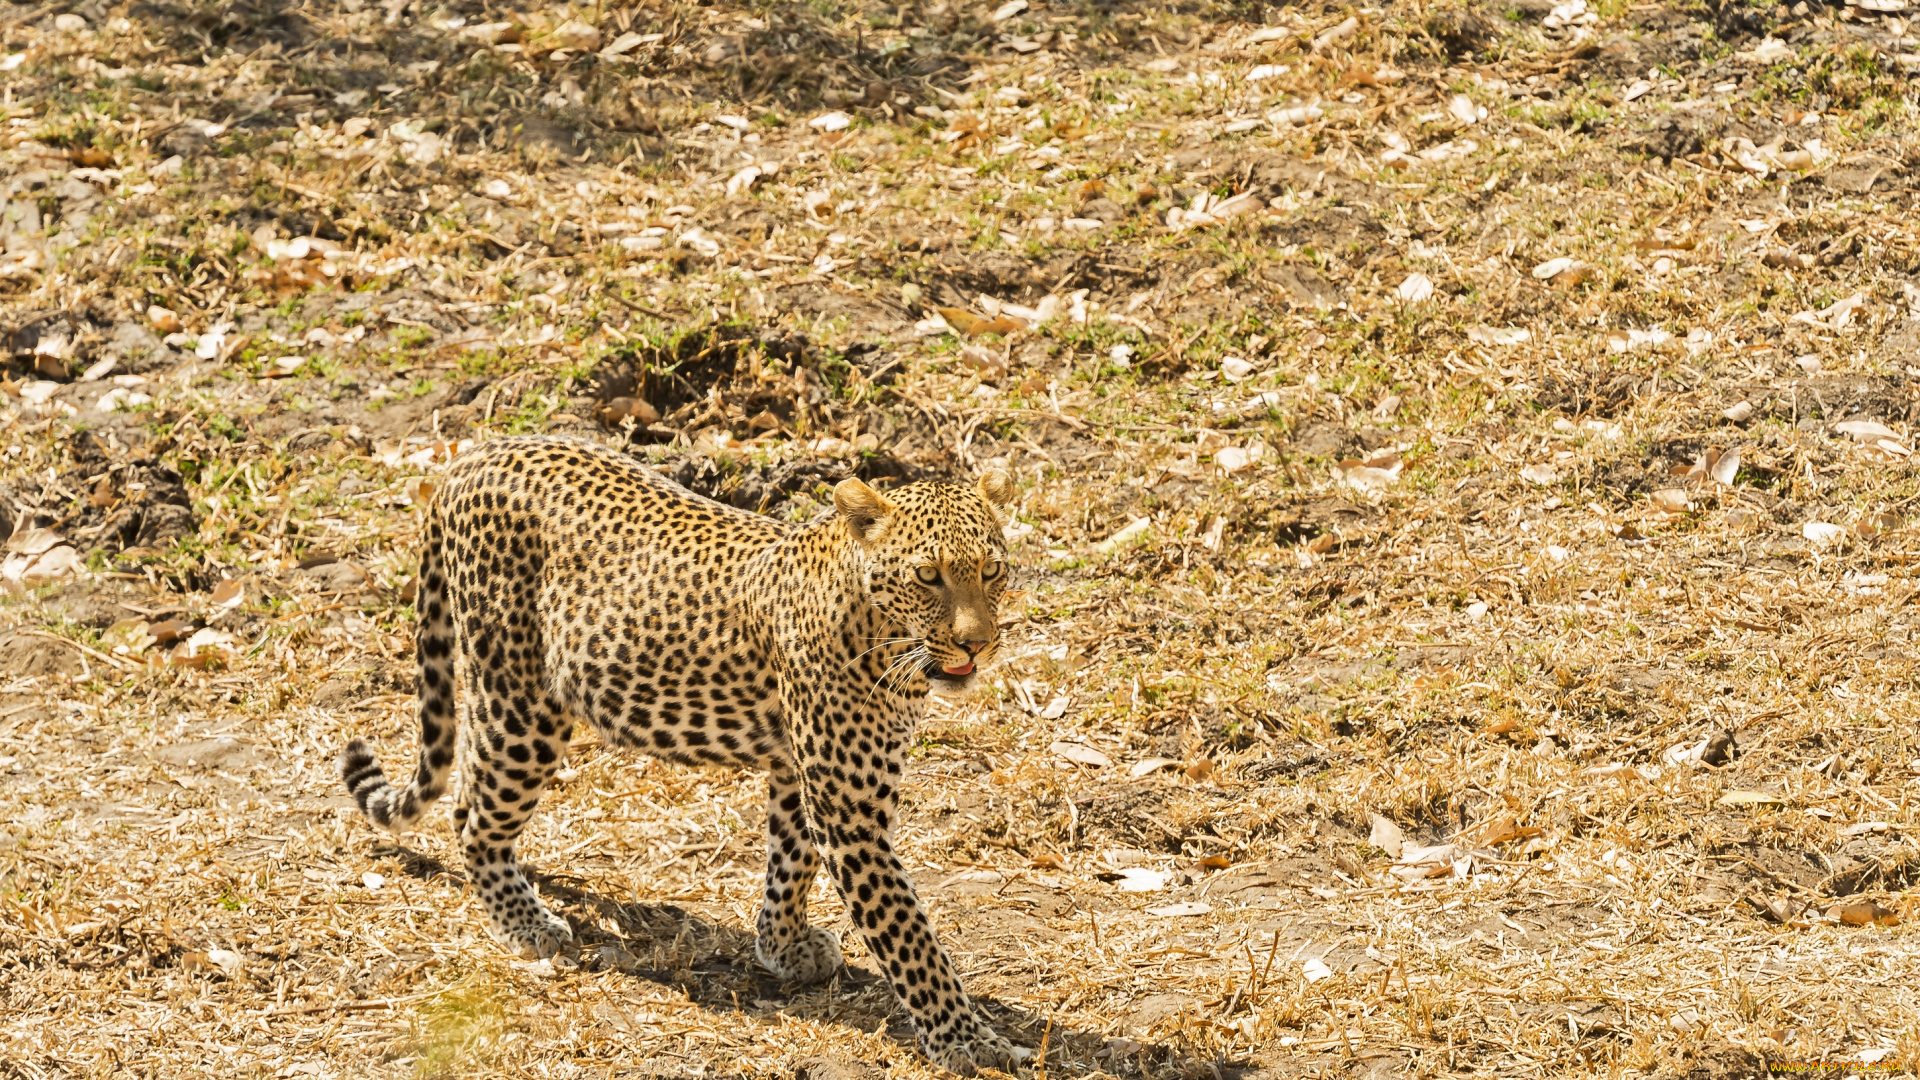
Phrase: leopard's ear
pixel 863 509
pixel 996 486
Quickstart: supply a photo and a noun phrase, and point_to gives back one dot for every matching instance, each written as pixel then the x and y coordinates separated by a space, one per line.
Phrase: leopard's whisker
pixel 899 670
pixel 918 656
pixel 885 677
pixel 883 644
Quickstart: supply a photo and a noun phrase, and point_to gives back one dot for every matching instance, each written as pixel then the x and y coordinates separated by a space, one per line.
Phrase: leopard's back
pixel 627 592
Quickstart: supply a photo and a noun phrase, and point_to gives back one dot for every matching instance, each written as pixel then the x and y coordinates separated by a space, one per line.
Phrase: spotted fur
pixel 576 584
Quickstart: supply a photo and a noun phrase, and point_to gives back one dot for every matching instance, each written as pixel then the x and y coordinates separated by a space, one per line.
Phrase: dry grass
pixel 1503 629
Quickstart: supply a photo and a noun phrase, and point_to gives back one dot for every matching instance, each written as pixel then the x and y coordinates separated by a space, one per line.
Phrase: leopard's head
pixel 934 563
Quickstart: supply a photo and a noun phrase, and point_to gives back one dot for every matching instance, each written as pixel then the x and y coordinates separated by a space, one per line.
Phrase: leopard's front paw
pixel 809 958
pixel 535 935
pixel 971 1045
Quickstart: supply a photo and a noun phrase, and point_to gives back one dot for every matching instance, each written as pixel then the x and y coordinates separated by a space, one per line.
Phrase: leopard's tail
pixel 397 809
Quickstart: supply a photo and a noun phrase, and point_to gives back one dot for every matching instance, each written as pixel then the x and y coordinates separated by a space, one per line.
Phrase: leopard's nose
pixel 975 647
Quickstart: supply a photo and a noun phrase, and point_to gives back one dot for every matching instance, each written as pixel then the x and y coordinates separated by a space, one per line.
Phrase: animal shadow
pixel 713 965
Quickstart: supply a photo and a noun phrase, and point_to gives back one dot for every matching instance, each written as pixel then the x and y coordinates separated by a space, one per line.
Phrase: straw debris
pixel 1465 509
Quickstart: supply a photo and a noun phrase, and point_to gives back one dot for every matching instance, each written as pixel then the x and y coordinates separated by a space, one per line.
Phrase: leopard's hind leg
pixel 516 742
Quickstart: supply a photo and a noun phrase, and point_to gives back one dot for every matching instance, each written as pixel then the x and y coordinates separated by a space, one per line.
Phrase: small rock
pixel 1719 750
pixel 337 577
pixel 616 957
pixel 1323 440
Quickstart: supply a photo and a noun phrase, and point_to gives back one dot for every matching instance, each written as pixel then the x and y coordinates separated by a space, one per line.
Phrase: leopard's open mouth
pixel 961 673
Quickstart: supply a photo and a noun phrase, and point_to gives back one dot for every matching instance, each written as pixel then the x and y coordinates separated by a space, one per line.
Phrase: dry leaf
pixel 1725 467
pixel 1865 828
pixel 1416 863
pixel 1862 913
pixel 1552 268
pixel 1822 534
pixel 1372 476
pixel 983 360
pixel 1416 288
pixel 228 961
pixel 743 181
pixel 1770 51
pixel 1671 501
pixel 1541 473
pixel 1233 460
pixel 1743 797
pixel 1314 969
pixel 621 409
pixel 1139 879
pixel 1503 830
pixel 1386 836
pixel 1621 341
pixel 37 391
pixel 128 637
pixel 1234 369
pixel 228 594
pixel 1835 316
pixel 958 320
pixel 1081 754
pixel 39 556
pixel 1787 913
pixel 1134 530
pixel 576 35
pixel 1866 431
pixel 201 648
pixel 1149 766
pixel 1337 33
pixel 1181 909
pixel 1486 335
pixel 1465 111
pixel 1873 525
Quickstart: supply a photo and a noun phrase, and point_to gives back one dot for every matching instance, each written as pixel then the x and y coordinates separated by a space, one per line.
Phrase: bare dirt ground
pixel 1465 624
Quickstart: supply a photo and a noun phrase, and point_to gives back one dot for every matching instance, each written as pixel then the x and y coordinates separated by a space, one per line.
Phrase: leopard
pixel 562 581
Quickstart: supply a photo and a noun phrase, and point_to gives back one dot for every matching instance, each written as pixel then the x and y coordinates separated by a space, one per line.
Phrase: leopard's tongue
pixel 963 669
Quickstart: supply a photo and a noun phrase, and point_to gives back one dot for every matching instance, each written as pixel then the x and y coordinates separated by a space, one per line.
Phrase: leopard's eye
pixel 993 569
pixel 928 575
